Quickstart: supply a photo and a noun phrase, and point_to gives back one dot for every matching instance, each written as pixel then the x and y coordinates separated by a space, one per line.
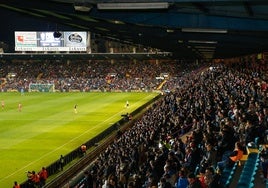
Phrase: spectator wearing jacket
pixel 43 175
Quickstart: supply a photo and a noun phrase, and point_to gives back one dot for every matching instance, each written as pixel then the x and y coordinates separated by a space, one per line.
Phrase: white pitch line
pixel 24 167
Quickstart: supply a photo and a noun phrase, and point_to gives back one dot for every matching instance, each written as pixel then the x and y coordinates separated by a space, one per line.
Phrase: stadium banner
pixel 137 91
pixel 45 41
pixel 36 87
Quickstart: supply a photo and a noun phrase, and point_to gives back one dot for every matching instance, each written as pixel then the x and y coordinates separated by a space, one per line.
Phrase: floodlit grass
pixel 48 127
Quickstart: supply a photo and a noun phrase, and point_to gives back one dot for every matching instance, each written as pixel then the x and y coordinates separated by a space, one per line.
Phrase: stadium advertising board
pixel 46 41
pixel 25 40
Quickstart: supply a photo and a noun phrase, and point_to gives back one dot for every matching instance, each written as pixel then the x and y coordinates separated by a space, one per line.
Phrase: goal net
pixel 35 87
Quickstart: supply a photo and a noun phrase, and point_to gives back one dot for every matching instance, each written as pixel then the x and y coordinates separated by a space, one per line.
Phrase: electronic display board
pixel 47 41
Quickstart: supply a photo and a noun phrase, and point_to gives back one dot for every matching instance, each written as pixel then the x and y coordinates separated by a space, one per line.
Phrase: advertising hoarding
pixel 46 41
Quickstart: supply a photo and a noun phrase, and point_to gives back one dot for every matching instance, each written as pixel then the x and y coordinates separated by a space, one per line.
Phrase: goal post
pixel 35 87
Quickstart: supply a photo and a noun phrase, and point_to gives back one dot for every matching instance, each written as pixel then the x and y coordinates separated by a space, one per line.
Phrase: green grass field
pixel 48 127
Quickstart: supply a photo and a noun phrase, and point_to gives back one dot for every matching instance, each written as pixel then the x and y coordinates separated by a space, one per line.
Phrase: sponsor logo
pixel 75 38
pixel 20 38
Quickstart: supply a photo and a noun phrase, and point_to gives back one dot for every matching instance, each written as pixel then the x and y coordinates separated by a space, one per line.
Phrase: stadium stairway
pixel 248 174
pixel 227 175
pixel 39 76
pixel 161 85
pixel 3 82
pixel 257 183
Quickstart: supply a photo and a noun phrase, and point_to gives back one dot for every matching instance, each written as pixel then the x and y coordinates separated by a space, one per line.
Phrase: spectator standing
pixel 61 162
pixel 43 176
pixel 29 179
pixel 83 149
pixel 16 185
pixel 35 179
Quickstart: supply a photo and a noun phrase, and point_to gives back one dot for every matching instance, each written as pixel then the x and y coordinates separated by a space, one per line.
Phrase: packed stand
pixel 224 108
pixel 85 75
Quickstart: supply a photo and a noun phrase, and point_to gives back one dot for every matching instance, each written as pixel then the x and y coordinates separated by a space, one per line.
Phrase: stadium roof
pixel 190 29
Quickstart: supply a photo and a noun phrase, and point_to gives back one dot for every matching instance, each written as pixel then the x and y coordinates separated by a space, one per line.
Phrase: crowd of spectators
pixel 36 179
pixel 86 75
pixel 223 107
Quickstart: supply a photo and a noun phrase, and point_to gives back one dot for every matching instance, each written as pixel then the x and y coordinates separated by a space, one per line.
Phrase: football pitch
pixel 47 126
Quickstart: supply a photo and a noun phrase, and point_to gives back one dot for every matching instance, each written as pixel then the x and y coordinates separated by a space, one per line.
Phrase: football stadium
pixel 134 94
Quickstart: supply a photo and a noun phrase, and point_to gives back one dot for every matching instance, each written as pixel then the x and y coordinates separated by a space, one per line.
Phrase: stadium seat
pixel 228 174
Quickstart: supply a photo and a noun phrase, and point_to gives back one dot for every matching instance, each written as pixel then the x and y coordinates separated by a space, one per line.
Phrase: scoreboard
pixel 46 41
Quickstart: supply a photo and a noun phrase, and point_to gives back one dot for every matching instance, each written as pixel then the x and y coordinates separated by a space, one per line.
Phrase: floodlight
pixel 203 30
pixel 203 41
pixel 132 6
pixel 82 7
